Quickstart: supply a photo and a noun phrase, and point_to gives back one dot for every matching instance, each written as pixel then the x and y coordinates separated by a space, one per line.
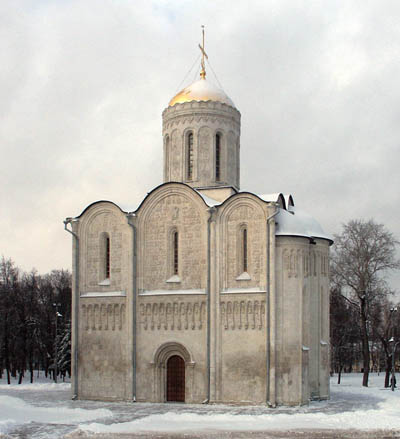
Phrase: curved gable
pixel 99 202
pixel 172 237
pixel 241 199
pixel 104 235
pixel 242 226
pixel 168 189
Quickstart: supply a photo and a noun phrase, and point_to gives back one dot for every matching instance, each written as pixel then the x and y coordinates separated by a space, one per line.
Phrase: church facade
pixel 203 293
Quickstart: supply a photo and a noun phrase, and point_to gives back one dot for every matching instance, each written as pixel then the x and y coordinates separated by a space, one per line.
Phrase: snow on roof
pixel 298 223
pixel 127 207
pixel 276 198
pixel 209 201
pixel 291 222
pixel 269 197
pixel 201 90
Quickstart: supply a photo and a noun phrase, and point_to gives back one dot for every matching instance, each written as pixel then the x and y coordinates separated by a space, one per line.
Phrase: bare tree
pixel 384 322
pixel 27 321
pixel 344 332
pixel 9 282
pixel 364 252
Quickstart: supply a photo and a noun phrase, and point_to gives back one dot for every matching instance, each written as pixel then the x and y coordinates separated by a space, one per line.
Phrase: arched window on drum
pixel 189 156
pixel 218 145
pixel 166 161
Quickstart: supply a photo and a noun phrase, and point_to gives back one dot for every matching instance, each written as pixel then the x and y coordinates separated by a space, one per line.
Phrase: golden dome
pixel 201 90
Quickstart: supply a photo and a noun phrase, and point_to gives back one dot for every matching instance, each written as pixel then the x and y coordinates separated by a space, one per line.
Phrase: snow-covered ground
pixel 44 410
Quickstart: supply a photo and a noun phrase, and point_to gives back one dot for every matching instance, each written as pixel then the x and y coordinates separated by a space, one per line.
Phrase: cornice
pixel 188 117
pixel 200 107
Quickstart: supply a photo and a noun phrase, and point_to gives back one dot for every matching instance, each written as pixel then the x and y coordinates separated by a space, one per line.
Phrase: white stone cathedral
pixel 203 293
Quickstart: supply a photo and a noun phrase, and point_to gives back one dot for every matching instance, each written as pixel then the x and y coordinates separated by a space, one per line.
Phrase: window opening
pixel 190 157
pixel 176 259
pixel 107 258
pixel 166 159
pixel 217 157
pixel 244 249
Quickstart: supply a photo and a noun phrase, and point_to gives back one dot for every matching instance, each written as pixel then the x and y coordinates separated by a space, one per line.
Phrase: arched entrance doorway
pixel 171 374
pixel 176 379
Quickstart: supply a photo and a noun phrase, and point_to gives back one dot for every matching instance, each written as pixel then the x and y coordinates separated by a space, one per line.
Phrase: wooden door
pixel 176 379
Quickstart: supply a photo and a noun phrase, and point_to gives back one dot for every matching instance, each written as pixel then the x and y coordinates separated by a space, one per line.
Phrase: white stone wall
pixel 204 120
pixel 103 358
pixel 240 333
pixel 172 208
pixel 104 322
pixel 180 320
pixel 171 311
pixel 242 354
pixel 242 211
pixel 303 320
pixel 250 361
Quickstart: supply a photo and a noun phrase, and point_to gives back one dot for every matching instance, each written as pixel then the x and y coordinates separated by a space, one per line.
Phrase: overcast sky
pixel 83 84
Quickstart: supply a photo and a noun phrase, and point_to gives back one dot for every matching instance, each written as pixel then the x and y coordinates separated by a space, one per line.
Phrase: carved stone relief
pixel 315 263
pixel 291 262
pixel 324 264
pixel 169 213
pixel 103 317
pixel 249 216
pixel 177 121
pixel 306 263
pixel 175 157
pixel 231 156
pixel 205 157
pixel 178 316
pixel 243 314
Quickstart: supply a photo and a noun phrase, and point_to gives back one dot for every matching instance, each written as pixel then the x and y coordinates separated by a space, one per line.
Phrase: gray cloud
pixel 83 85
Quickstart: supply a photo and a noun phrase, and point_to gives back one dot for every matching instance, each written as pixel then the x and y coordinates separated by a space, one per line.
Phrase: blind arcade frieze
pixel 243 315
pixel 103 317
pixel 173 316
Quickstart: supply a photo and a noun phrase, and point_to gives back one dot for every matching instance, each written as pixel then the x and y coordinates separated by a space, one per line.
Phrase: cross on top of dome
pixel 201 90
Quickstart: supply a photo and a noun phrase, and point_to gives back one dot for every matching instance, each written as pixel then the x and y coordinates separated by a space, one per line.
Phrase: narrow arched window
pixel 107 257
pixel 218 157
pixel 244 249
pixel 175 247
pixel 104 258
pixel 166 159
pixel 190 156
